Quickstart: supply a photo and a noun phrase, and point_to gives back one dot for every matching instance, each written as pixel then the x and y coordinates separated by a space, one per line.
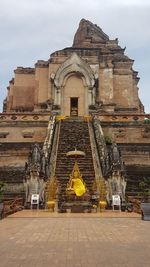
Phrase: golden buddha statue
pixel 76 184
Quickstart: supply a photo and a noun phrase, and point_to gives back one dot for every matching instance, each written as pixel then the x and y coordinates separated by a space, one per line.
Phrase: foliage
pixel 144 187
pixel 108 140
pixel 147 121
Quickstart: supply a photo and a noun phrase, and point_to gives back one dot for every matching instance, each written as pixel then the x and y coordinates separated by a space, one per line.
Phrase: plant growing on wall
pixel 108 140
pixel 144 187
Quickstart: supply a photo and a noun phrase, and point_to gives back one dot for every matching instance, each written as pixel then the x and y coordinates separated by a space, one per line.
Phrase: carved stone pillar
pixel 90 96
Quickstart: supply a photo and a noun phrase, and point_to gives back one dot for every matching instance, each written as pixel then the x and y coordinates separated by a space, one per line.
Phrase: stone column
pixel 57 97
pixel 90 96
pixel 93 96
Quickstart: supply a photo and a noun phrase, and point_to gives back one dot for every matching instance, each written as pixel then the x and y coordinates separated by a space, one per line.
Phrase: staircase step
pixel 74 133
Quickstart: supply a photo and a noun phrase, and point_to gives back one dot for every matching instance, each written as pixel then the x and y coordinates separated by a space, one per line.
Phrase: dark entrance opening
pixel 74 106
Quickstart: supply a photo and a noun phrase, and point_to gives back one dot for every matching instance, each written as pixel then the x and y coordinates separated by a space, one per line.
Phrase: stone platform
pixel 41 239
pixel 48 214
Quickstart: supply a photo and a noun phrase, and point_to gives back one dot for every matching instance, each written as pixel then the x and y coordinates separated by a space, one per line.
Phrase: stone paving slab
pixel 47 214
pixel 74 241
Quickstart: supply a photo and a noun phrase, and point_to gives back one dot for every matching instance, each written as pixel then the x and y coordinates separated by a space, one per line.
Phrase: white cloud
pixel 128 2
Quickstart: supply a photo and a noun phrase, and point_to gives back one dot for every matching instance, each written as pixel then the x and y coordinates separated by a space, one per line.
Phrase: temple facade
pixel 93 73
pixel 92 79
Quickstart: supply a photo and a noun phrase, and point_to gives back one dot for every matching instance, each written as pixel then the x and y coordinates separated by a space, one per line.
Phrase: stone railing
pixel 97 165
pixel 49 137
pixel 53 156
pixel 96 161
pixel 101 147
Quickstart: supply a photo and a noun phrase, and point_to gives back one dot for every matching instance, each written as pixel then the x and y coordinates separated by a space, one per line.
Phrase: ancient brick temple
pixel 91 79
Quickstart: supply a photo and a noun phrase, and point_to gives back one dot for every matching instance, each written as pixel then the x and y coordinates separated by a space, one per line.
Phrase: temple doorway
pixel 74 106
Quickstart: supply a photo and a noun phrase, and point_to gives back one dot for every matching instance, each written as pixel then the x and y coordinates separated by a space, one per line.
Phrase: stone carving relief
pixel 113 168
pixel 36 174
pixel 116 182
pixel 120 133
pixel 74 65
pixel 116 185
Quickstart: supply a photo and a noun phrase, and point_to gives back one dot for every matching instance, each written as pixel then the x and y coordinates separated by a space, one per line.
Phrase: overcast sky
pixel 32 29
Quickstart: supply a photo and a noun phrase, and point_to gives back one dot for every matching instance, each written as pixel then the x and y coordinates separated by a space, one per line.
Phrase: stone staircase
pixel 74 134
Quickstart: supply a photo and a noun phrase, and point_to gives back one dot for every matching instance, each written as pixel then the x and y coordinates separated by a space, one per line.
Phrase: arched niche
pixel 74 81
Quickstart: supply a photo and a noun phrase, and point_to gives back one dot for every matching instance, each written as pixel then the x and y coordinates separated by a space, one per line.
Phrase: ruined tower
pixel 93 77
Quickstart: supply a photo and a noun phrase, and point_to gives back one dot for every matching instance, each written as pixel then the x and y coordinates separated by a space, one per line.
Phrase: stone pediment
pixel 89 33
pixel 74 64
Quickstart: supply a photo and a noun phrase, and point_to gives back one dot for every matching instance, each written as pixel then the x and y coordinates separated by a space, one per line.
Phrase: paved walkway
pixel 74 240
